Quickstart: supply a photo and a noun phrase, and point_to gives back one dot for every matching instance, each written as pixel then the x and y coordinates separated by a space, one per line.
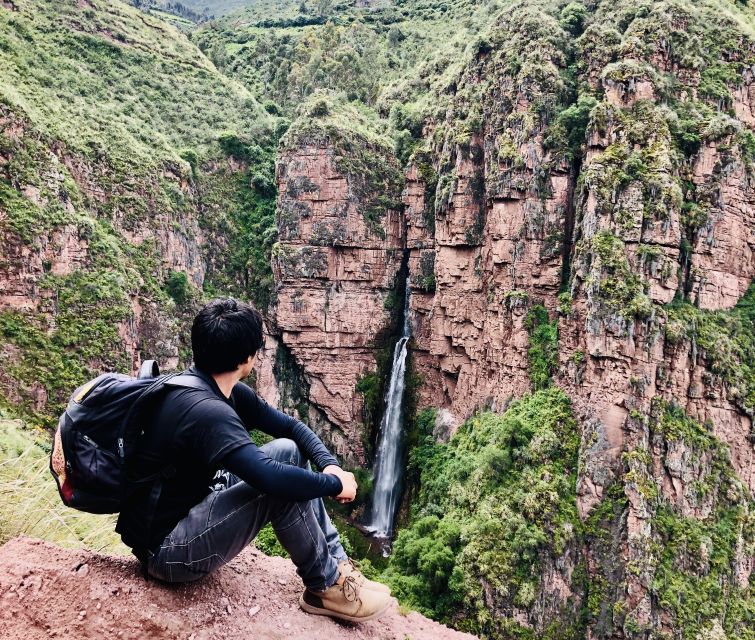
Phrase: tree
pixel 177 287
pixel 573 17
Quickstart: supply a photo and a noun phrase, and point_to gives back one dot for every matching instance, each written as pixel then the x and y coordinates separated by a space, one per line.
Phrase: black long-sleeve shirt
pixel 199 432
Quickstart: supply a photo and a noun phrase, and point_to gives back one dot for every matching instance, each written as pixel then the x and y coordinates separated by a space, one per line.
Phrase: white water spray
pixel 388 467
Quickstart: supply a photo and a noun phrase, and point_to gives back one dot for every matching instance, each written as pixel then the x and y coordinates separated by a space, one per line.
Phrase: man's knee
pixel 184 571
pixel 284 450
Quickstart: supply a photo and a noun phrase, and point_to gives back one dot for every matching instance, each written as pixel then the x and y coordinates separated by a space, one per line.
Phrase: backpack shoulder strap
pixel 156 389
pixel 187 381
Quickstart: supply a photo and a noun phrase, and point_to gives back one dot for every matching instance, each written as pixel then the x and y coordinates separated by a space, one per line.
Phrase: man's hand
pixel 347 480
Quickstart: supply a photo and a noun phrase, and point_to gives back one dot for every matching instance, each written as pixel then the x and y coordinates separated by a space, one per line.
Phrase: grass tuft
pixel 29 501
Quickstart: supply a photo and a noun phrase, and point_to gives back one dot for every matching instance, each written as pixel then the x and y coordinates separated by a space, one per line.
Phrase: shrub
pixel 491 504
pixel 191 156
pixel 543 351
pixel 272 108
pixel 177 286
pixel 573 17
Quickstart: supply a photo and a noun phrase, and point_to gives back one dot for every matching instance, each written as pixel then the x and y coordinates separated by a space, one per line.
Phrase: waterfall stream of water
pixel 389 462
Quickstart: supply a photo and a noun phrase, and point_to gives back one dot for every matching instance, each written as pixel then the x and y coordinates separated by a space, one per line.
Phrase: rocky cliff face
pixel 56 183
pixel 500 206
pixel 50 246
pixel 73 262
pixel 336 267
pixel 109 223
pixel 593 173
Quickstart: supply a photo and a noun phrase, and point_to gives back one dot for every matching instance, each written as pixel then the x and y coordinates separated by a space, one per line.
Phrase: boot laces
pixel 354 565
pixel 350 589
pixel 354 571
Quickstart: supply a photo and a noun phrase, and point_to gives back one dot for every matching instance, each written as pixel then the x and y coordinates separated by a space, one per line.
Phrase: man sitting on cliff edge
pixel 188 528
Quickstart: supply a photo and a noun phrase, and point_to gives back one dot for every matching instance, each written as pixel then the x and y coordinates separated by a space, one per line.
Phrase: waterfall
pixel 388 467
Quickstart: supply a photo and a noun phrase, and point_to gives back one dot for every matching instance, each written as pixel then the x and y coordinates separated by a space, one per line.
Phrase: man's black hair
pixel 224 334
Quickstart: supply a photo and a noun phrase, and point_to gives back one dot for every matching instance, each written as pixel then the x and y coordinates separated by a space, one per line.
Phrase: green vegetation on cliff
pixel 119 142
pixel 497 505
pixel 620 288
pixel 726 342
pixel 74 327
pixel 543 351
pixel 698 556
pixel 361 152
pixel 494 505
pixel 660 108
pixel 56 356
pixel 238 207
pixel 106 79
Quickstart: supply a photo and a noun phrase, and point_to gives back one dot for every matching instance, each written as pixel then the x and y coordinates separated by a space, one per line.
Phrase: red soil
pixel 49 592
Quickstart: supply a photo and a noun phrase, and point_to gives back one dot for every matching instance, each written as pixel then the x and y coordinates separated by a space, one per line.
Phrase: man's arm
pixel 220 439
pixel 258 414
pixel 277 479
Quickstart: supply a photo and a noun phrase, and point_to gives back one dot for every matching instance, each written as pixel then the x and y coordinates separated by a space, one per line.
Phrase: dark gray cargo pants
pixel 228 519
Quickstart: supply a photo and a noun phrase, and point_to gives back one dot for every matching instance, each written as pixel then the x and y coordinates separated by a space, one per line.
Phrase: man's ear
pixel 245 368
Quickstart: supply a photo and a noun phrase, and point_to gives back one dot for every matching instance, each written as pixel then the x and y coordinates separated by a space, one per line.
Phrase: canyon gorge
pixel 566 188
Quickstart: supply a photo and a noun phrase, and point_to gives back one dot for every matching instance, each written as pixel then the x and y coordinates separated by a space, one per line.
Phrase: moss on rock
pixel 493 504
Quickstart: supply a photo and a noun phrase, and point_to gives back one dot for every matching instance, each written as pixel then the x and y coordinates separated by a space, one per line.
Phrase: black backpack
pixel 98 432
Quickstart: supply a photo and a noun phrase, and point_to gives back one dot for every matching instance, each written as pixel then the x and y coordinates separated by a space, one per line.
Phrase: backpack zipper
pixel 90 441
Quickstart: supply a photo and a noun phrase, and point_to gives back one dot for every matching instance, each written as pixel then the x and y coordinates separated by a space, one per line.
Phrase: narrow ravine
pixel 389 462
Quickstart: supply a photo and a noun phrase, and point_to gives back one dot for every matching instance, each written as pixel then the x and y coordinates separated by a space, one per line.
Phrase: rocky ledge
pixel 49 592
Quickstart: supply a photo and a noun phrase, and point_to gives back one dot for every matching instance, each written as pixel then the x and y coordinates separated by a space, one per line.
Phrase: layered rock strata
pixel 632 240
pixel 336 270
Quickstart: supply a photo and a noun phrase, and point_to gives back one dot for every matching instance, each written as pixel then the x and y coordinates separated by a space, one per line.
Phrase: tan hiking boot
pixel 348 568
pixel 345 601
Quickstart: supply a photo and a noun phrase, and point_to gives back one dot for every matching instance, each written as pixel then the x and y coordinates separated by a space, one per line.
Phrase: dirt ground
pixel 49 592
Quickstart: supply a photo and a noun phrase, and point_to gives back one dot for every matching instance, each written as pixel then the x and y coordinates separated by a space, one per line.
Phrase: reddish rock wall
pixel 65 249
pixel 499 218
pixel 334 274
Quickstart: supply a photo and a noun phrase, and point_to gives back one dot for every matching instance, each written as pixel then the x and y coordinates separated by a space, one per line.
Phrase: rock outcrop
pixel 336 268
pixel 501 209
pixel 624 211
pixel 49 592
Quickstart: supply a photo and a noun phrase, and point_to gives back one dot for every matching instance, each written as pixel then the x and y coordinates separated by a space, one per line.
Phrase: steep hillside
pixel 131 173
pixel 578 206
pixel 368 53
